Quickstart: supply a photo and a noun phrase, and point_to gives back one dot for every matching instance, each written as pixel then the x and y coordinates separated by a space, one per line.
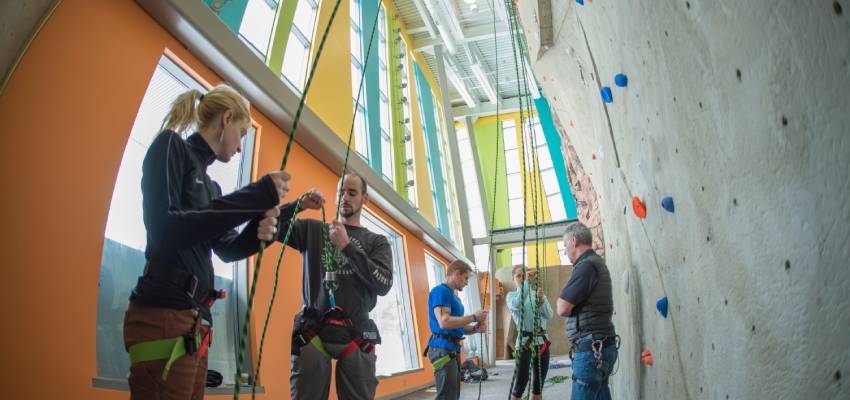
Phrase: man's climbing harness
pixel 442 361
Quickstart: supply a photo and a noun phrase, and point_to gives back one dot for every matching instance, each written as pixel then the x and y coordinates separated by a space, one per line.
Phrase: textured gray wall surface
pixel 18 18
pixel 738 110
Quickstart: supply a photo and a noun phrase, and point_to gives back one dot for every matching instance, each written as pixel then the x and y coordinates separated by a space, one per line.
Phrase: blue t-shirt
pixel 443 296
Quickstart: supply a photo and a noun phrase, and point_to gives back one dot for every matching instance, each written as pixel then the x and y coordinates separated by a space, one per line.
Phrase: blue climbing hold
pixel 667 203
pixel 580 2
pixel 606 94
pixel 621 80
pixel 661 305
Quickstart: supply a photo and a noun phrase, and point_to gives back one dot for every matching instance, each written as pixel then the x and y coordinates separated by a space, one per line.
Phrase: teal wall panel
pixel 553 141
pixel 429 121
pixel 231 12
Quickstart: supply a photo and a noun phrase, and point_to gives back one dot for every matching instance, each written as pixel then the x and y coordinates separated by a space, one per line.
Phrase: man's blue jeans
pixel 589 382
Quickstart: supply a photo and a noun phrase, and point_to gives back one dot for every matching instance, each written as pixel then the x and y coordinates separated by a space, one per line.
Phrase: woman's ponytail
pixel 184 112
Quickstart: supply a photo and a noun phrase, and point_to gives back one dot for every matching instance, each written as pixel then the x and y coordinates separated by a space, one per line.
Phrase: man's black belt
pixel 588 346
pixel 453 339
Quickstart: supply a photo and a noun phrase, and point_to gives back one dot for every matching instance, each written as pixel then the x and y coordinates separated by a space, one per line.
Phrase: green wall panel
pixel 485 141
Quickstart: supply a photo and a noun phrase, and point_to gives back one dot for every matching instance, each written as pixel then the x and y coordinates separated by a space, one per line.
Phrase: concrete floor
pixel 497 385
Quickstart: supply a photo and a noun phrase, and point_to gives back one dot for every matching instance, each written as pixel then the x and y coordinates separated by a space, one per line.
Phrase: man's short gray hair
pixel 580 232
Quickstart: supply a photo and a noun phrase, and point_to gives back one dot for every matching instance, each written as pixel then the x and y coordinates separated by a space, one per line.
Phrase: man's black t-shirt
pixel 581 282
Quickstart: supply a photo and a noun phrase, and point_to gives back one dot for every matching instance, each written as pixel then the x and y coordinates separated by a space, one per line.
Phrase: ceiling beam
pixel 426 18
pixel 512 236
pixel 484 109
pixel 471 35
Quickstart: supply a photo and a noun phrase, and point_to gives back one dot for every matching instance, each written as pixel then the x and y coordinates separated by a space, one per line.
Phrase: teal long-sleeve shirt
pixel 527 325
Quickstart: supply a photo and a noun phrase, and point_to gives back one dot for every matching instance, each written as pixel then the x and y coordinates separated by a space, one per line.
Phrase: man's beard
pixel 350 213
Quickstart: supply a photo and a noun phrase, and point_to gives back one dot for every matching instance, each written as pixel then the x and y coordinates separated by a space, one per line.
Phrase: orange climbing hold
pixel 646 355
pixel 639 207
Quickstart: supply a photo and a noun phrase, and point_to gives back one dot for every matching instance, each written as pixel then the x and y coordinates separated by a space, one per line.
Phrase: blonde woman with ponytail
pixel 168 324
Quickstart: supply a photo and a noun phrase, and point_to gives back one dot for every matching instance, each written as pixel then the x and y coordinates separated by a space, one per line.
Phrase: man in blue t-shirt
pixel 448 325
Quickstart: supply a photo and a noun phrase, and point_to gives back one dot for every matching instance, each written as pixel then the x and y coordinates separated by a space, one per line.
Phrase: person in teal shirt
pixel 532 345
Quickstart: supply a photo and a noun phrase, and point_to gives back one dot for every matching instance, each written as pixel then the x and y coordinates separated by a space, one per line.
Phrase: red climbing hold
pixel 639 207
pixel 592 156
pixel 646 355
pixel 610 245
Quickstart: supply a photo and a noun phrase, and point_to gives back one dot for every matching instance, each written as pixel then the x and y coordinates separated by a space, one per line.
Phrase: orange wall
pixel 67 113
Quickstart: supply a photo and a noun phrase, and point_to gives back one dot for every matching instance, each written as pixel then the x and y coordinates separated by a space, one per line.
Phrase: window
pixel 482 257
pixel 548 178
pixel 408 135
pixel 392 314
pixel 564 259
pixel 514 178
pixel 517 255
pixel 388 155
pixel 257 24
pixel 297 56
pixel 436 271
pixel 434 197
pixel 125 239
pixel 470 296
pixel 361 140
pixel 477 224
pixel 453 232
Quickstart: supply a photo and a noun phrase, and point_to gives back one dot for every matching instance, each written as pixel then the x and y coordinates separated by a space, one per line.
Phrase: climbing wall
pixel 739 112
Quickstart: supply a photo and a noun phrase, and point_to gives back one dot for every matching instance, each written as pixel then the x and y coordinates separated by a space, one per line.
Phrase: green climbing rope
pixel 525 104
pixel 244 335
pixel 327 248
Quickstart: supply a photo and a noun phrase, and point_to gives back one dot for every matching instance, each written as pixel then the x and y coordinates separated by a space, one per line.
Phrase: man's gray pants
pixel 311 374
pixel 446 378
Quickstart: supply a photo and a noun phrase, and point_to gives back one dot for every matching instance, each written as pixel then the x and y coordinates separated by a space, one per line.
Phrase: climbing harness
pixel 192 342
pixel 442 361
pixel 529 342
pixel 309 327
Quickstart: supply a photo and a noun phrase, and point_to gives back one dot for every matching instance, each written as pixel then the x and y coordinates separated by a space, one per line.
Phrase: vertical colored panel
pixel 333 71
pixel 485 143
pixel 503 258
pixel 231 12
pixel 282 27
pixel 397 122
pixel 424 200
pixel 426 105
pixel 372 86
pixel 553 140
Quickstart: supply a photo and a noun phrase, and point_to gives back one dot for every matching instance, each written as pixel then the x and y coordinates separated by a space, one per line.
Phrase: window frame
pixel 306 44
pixel 274 5
pixel 403 292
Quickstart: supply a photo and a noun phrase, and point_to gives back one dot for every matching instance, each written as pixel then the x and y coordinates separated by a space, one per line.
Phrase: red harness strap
pixel 336 317
pixel 208 303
